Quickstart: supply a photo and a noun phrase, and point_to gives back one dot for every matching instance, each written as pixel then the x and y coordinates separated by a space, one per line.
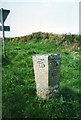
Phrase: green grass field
pixel 18 82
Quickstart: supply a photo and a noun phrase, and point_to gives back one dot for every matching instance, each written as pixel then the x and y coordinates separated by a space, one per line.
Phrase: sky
pixel 51 16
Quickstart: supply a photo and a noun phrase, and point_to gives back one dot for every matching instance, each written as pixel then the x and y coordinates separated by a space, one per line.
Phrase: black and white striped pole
pixel 3 16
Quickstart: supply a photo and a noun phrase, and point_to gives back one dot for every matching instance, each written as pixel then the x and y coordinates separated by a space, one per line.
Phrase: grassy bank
pixel 19 88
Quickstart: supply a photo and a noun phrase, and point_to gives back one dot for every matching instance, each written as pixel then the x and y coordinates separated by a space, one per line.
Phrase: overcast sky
pixel 26 17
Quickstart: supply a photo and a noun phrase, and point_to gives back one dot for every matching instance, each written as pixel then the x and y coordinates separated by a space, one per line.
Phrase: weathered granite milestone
pixel 47 74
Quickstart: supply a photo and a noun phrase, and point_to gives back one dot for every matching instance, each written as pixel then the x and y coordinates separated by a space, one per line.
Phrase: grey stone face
pixel 47 74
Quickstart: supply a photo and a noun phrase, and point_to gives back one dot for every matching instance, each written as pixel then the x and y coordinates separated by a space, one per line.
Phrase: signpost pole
pixel 3 16
pixel 4 44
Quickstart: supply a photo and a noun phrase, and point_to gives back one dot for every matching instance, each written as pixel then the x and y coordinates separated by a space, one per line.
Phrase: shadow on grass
pixel 72 103
pixel 68 94
pixel 5 61
pixel 17 101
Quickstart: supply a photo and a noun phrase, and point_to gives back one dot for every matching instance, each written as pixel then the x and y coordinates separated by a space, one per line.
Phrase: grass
pixel 19 88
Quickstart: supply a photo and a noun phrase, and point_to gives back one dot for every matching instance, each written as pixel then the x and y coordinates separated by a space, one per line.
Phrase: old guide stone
pixel 47 74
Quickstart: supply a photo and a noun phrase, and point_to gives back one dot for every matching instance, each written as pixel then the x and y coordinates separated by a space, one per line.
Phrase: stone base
pixel 50 92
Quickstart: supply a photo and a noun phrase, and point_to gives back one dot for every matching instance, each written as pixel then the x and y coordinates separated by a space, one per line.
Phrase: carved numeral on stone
pixel 41 64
